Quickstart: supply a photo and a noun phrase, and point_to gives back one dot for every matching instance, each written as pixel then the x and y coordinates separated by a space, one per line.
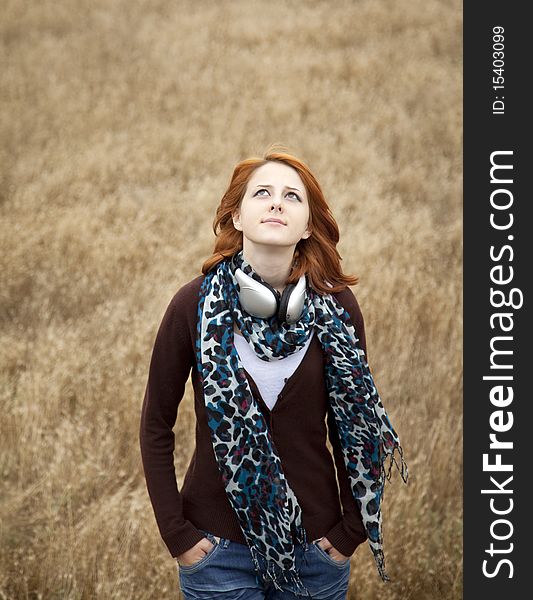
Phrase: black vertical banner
pixel 498 255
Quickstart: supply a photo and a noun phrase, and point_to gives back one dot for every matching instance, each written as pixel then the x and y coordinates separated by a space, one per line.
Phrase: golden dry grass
pixel 120 125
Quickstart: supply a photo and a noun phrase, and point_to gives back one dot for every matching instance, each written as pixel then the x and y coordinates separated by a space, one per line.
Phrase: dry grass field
pixel 120 125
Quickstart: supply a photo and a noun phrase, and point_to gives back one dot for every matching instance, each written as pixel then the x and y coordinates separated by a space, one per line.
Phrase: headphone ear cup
pixel 256 298
pixel 284 302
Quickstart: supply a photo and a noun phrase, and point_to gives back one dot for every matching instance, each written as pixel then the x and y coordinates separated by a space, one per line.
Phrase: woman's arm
pixel 170 366
pixel 349 532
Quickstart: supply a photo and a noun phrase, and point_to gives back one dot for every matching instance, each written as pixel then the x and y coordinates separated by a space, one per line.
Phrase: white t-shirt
pixel 269 376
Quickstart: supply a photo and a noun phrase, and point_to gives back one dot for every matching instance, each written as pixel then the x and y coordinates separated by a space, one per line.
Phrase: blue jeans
pixel 226 572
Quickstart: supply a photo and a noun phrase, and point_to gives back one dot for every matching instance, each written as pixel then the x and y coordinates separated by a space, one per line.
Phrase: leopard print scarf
pixel 251 471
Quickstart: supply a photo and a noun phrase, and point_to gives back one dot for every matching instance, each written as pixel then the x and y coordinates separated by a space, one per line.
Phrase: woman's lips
pixel 274 223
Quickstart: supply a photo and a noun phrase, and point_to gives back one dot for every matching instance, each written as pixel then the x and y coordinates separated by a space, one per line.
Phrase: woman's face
pixel 274 191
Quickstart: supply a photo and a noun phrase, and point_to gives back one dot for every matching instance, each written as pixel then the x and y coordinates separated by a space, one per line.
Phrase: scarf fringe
pixel 275 574
pixel 402 466
pixel 379 557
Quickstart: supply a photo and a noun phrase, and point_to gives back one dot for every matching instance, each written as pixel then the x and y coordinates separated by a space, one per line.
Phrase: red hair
pixel 317 255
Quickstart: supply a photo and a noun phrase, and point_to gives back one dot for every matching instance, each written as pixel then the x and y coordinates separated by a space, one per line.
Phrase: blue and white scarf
pixel 251 470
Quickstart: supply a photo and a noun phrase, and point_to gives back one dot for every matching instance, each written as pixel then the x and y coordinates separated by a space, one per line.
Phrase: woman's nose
pixel 276 203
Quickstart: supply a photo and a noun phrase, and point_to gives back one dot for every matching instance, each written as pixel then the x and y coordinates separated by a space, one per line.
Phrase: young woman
pixel 276 344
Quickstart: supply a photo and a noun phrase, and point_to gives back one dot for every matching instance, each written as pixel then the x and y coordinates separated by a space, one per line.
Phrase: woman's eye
pixel 265 190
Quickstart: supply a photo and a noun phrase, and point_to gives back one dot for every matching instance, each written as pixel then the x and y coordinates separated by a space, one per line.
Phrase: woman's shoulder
pixel 188 293
pixel 191 288
pixel 348 300
pixel 345 296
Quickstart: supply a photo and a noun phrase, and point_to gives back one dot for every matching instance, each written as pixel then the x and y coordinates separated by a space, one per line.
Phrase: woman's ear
pixel 237 220
pixel 306 234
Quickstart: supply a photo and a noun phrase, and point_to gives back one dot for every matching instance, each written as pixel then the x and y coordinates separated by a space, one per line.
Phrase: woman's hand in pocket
pixel 328 547
pixel 195 554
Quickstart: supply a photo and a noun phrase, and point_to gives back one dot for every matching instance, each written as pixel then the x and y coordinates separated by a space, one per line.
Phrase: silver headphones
pixel 263 301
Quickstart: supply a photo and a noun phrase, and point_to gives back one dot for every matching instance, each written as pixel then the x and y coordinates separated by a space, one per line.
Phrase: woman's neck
pixel 272 264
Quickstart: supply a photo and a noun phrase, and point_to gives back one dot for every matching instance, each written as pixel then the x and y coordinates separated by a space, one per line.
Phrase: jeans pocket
pixel 212 538
pixel 205 559
pixel 327 558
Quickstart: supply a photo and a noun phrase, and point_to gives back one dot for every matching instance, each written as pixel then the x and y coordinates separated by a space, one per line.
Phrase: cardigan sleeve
pixel 170 366
pixel 348 533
